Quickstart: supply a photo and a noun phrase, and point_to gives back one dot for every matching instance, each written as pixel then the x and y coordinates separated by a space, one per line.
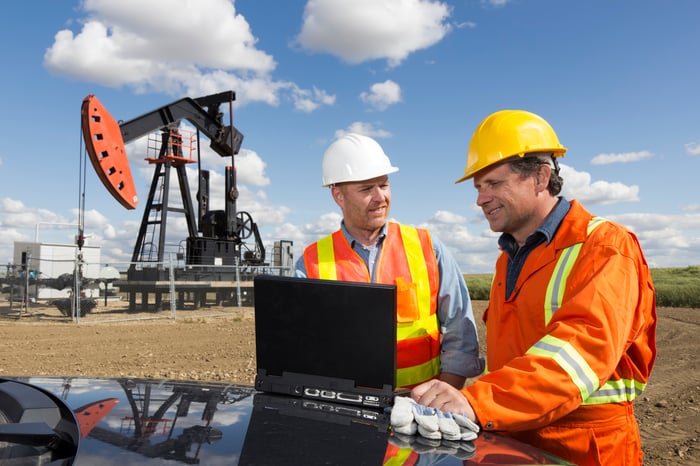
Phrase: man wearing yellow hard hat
pixel 571 320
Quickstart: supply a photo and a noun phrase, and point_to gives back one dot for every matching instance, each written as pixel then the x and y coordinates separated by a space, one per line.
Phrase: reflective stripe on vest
pixel 410 376
pixel 326 259
pixel 418 270
pixel 613 391
pixel 419 338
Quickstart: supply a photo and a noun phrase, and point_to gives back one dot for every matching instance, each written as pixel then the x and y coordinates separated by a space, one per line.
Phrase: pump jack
pixel 215 238
pixel 221 241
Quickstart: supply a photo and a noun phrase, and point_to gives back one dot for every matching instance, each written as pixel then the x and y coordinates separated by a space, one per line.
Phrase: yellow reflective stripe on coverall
pixel 614 391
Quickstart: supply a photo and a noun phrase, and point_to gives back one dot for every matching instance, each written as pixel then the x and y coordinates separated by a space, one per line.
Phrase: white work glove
pixel 469 430
pixel 408 417
pixel 402 418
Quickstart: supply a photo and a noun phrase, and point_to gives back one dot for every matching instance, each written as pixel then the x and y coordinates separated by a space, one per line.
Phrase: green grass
pixel 479 285
pixel 675 287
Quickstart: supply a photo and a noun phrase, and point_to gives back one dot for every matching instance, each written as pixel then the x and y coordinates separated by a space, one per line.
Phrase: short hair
pixel 528 164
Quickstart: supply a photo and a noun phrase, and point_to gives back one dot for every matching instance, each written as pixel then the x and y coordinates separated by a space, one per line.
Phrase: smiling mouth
pixel 492 212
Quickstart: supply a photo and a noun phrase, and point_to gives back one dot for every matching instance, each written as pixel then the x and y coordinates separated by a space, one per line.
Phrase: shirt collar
pixel 547 230
pixel 354 242
pixel 551 224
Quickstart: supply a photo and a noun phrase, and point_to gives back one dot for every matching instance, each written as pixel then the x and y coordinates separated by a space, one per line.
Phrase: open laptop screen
pixel 324 332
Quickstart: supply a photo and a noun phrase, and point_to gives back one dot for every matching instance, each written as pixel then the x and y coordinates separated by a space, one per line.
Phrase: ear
pixel 338 195
pixel 544 172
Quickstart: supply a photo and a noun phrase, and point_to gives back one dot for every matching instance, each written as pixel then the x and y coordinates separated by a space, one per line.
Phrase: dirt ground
pixel 190 347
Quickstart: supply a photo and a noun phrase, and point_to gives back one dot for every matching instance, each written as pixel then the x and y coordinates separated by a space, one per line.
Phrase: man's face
pixel 509 202
pixel 365 204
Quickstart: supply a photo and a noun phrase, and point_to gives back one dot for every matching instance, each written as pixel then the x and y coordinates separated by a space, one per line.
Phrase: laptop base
pixel 321 388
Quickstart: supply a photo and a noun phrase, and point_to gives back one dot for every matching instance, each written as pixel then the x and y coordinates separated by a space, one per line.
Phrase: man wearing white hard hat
pixel 436 335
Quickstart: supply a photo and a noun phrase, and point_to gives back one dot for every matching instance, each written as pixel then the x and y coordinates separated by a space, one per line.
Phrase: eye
pixel 488 184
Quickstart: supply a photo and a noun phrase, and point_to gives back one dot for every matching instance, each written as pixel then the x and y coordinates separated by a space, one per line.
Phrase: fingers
pixel 443 396
pixel 427 394
pixel 435 394
pixel 419 390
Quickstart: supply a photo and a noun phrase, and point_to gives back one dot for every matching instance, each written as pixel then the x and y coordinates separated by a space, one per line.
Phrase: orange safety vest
pixel 573 346
pixel 407 260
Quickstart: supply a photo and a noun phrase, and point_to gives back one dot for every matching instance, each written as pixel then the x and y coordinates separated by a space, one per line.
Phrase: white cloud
pixel 447 218
pixel 693 148
pixel 604 159
pixel 16 214
pixel 160 46
pixel 250 169
pixel 474 253
pixel 466 24
pixel 368 129
pixel 495 3
pixel 382 95
pixel 19 222
pixel 166 31
pixel 665 238
pixel 305 234
pixel 580 186
pixel 660 222
pixel 308 101
pixel 364 30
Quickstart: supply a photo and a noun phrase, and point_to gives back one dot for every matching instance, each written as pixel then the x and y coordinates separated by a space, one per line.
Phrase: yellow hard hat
pixel 508 133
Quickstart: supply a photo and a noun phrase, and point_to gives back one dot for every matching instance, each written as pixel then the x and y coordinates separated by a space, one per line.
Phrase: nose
pixel 379 194
pixel 482 198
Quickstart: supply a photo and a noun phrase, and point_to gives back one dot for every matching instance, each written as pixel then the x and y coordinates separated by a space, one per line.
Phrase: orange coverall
pixel 573 346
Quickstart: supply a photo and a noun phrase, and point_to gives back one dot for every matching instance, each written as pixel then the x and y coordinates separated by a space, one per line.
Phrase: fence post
pixel 77 275
pixel 238 282
pixel 171 276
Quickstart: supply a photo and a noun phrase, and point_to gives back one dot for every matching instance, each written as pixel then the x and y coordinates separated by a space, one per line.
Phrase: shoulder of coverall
pixel 574 228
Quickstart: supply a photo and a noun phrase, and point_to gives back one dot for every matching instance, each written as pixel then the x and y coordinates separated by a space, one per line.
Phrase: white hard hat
pixel 354 157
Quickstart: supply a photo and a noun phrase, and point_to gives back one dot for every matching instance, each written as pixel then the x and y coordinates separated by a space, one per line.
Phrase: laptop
pixel 326 340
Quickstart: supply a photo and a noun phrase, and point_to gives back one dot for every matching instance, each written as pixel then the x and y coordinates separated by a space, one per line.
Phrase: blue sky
pixel 617 80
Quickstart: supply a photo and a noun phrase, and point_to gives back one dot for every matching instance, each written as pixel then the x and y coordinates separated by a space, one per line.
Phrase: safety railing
pixel 134 291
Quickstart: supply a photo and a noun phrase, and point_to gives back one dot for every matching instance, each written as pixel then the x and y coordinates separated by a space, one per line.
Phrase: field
pixel 193 347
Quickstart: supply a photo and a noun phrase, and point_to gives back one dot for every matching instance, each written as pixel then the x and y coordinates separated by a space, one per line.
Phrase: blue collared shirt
pixel 545 233
pixel 460 343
